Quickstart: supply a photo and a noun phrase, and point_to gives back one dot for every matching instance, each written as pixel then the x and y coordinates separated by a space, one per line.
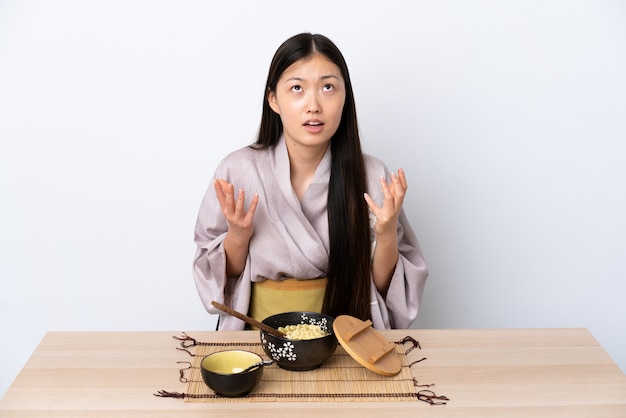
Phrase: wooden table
pixel 485 373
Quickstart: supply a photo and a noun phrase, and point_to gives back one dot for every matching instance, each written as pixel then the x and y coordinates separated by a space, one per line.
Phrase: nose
pixel 313 104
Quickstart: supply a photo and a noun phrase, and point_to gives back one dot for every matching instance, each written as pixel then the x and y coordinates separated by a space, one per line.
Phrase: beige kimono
pixel 290 238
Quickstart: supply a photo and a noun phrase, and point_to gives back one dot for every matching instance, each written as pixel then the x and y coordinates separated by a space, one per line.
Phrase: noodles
pixel 302 332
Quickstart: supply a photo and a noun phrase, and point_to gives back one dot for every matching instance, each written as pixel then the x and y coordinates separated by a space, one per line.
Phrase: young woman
pixel 302 220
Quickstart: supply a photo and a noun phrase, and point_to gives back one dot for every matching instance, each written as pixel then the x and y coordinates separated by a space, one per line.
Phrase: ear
pixel 271 100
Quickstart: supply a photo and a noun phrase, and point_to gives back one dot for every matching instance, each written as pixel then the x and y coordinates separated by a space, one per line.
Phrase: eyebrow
pixel 324 77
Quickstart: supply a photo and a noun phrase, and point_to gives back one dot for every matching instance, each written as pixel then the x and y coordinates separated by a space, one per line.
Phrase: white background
pixel 509 118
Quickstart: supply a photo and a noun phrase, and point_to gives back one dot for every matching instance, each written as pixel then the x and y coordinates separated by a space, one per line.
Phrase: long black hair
pixel 348 288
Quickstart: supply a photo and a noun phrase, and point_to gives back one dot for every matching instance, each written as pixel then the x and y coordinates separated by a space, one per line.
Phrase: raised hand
pixel 387 215
pixel 240 225
pixel 239 220
pixel 386 250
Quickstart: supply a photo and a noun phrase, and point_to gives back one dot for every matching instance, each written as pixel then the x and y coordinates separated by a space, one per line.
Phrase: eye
pixel 328 87
pixel 296 88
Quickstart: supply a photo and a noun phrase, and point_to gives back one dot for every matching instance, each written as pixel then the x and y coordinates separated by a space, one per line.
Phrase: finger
pixel 220 192
pixel 370 202
pixel 398 190
pixel 218 188
pixel 386 192
pixel 230 194
pixel 252 208
pixel 223 184
pixel 240 202
pixel 228 207
pixel 396 186
pixel 402 177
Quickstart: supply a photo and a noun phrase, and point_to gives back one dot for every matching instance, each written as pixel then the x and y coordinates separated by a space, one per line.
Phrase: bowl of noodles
pixel 309 340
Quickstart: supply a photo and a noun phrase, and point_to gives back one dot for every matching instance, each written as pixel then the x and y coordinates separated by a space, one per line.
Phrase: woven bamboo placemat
pixel 340 378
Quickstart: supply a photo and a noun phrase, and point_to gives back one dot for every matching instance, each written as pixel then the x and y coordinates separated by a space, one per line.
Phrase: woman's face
pixel 309 98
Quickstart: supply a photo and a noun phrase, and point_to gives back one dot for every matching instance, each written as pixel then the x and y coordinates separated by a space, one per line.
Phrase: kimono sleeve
pixel 209 265
pixel 400 306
